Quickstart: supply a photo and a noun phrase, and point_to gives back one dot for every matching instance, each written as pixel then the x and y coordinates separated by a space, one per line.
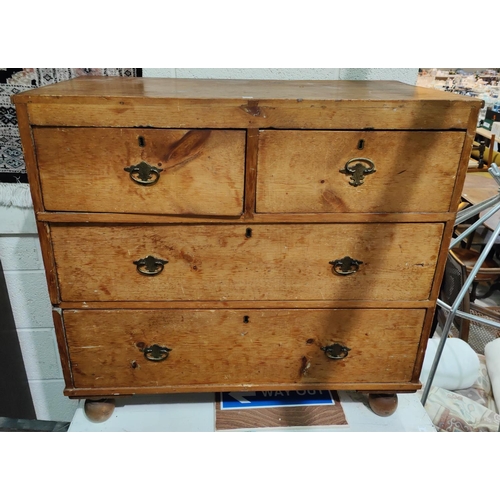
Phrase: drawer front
pixel 83 170
pixel 237 262
pixel 203 347
pixel 300 171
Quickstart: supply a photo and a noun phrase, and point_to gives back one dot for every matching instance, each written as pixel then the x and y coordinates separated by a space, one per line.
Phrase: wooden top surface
pixel 190 88
pixel 487 134
pixel 479 187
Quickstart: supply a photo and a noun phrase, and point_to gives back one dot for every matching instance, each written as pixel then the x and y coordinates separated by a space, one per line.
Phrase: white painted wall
pixel 22 261
pixel 23 269
pixel 405 75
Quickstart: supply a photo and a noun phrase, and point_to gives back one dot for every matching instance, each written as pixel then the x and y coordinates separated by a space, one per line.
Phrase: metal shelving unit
pixel 453 309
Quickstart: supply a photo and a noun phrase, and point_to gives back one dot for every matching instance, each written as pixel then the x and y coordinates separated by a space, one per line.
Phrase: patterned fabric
pixel 452 412
pixel 481 391
pixel 466 410
pixel 16 80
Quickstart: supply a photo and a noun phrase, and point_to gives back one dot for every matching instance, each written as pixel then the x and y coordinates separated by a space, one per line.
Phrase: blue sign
pixel 271 399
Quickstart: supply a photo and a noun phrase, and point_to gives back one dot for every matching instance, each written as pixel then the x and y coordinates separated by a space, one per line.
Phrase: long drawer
pixel 160 348
pixel 144 171
pixel 356 171
pixel 235 262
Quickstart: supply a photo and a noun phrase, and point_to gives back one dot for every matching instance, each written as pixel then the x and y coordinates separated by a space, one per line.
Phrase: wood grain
pixel 256 218
pixel 218 346
pixel 49 263
pixel 251 172
pixel 299 171
pixel 464 160
pixel 98 89
pixel 478 188
pixel 278 114
pixel 94 222
pixel 192 103
pixel 36 195
pixel 282 262
pixel 108 392
pixel 443 254
pixel 62 347
pixel 298 416
pixel 424 339
pixel 247 304
pixel 83 170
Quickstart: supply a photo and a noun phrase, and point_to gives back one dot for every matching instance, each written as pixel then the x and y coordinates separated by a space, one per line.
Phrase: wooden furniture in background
pixel 478 188
pixel 204 235
pixel 490 136
pixel 485 143
pixel 488 274
pixel 473 332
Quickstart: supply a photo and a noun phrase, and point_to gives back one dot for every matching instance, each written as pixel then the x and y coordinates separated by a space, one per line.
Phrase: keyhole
pixel 361 144
pixel 142 142
pixel 246 319
pixel 248 232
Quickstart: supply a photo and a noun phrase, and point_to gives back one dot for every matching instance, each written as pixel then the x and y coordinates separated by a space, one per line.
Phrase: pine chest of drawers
pixel 203 235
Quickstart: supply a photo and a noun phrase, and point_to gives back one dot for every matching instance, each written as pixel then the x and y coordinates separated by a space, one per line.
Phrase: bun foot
pixel 99 410
pixel 383 405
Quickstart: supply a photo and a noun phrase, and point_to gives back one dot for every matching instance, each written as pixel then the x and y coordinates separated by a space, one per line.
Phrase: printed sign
pixel 272 399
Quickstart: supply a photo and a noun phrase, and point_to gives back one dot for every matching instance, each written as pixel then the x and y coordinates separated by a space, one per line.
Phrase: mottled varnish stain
pixel 330 199
pixel 242 243
pixel 76 370
pixel 186 149
pixel 182 163
pixel 155 239
pixel 252 108
pixel 180 254
pixel 185 256
pixel 104 289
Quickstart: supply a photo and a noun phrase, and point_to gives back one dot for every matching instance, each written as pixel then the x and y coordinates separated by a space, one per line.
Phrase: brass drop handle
pixel 336 351
pixel 345 266
pixel 144 173
pixel 357 168
pixel 150 265
pixel 156 353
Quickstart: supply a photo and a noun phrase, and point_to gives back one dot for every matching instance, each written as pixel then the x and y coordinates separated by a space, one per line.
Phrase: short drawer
pixel 322 171
pixel 238 262
pixel 203 348
pixel 121 170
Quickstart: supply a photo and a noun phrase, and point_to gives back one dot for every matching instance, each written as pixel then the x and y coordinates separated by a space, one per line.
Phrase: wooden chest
pixel 203 235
